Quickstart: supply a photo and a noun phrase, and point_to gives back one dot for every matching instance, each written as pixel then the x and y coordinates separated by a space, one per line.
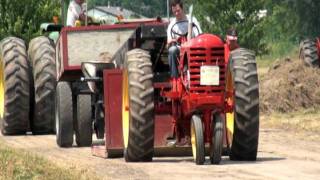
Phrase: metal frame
pixel 75 71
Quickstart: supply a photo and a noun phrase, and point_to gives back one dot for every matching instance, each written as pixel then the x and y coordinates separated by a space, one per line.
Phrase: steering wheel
pixel 185 33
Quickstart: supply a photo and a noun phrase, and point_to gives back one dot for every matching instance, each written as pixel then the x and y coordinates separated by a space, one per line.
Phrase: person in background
pixel 75 13
pixel 232 39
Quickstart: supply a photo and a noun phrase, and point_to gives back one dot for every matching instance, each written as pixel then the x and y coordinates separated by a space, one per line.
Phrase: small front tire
pixel 197 140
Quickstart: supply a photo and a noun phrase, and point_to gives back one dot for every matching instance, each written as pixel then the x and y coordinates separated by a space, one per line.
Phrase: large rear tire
pixel 42 56
pixel 243 69
pixel 64 115
pixel 14 87
pixel 83 121
pixel 138 107
pixel 309 53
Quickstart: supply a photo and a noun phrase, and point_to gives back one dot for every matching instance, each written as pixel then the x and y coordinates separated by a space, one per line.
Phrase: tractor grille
pixel 206 56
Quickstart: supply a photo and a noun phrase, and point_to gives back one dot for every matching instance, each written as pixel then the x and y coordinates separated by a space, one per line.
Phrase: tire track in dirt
pixel 280 156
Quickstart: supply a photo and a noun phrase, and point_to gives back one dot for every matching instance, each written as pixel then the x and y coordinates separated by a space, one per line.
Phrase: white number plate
pixel 209 76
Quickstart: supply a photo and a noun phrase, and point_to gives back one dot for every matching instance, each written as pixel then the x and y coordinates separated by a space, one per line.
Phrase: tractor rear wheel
pixel 197 140
pixel 64 115
pixel 42 55
pixel 244 80
pixel 14 87
pixel 83 121
pixel 138 107
pixel 217 139
pixel 309 53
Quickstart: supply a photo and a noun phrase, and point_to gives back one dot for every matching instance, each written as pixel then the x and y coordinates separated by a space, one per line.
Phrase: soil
pixel 281 156
pixel 289 86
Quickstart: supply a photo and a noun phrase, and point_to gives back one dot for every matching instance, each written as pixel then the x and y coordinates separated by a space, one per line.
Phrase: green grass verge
pixel 278 50
pixel 302 121
pixel 18 164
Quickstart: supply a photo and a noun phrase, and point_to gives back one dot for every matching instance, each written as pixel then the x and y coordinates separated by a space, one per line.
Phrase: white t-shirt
pixel 182 28
pixel 74 11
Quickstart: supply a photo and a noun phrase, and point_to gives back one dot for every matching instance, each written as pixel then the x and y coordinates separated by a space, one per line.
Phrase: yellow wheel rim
pixel 230 116
pixel 125 109
pixel 2 89
pixel 193 141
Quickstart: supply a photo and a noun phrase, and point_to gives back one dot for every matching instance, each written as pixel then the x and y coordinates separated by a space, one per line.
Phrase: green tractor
pixel 28 81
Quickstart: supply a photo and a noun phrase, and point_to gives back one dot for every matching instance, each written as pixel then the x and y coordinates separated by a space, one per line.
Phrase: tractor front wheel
pixel 64 115
pixel 83 120
pixel 197 140
pixel 217 127
pixel 138 107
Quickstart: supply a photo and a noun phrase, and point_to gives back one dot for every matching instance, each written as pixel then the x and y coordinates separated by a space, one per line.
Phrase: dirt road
pixel 281 156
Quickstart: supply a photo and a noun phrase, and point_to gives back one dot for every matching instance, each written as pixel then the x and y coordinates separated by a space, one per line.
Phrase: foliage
pixel 217 16
pixel 287 21
pixel 22 18
pixel 17 164
pixel 307 12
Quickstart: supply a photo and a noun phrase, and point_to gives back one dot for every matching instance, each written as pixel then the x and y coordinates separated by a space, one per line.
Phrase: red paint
pixel 113 116
pixel 318 48
pixel 163 130
pixel 172 118
pixel 189 97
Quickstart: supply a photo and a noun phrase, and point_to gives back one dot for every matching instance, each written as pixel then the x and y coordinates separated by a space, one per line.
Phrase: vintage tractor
pixel 310 52
pixel 113 81
pixel 138 111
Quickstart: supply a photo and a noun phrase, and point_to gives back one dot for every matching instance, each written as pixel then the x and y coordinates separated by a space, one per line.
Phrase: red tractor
pixel 310 52
pixel 214 104
pixel 114 81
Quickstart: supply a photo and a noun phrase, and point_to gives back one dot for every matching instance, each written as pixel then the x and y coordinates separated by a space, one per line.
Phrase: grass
pixel 18 164
pixel 306 121
pixel 278 50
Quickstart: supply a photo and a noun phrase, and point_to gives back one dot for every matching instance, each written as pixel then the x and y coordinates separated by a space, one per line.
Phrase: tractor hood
pixel 206 40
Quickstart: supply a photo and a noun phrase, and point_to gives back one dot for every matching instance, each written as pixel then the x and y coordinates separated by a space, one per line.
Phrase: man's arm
pixel 170 40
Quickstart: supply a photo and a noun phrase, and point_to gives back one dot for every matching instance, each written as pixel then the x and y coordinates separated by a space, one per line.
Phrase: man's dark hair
pixel 232 32
pixel 176 2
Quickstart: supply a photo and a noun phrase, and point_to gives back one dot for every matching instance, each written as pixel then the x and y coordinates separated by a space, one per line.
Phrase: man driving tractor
pixel 176 28
pixel 76 13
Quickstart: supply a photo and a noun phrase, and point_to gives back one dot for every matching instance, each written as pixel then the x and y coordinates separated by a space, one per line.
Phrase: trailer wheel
pixel 14 87
pixel 64 115
pixel 138 107
pixel 197 140
pixel 309 53
pixel 42 56
pixel 242 77
pixel 217 139
pixel 83 121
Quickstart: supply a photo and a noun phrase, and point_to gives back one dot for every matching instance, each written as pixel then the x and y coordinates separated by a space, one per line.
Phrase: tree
pixel 216 16
pixel 23 18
